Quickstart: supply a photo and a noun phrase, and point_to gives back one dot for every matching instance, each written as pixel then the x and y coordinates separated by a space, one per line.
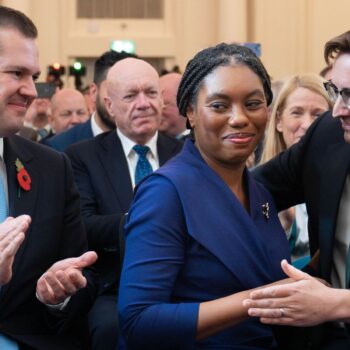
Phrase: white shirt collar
pixel 1 148
pixel 129 144
pixel 96 130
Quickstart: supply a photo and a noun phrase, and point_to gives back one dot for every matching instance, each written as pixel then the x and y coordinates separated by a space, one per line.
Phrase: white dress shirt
pixel 132 157
pixel 96 130
pixel 341 239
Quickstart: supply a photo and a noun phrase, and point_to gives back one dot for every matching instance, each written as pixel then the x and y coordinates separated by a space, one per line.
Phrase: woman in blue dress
pixel 201 233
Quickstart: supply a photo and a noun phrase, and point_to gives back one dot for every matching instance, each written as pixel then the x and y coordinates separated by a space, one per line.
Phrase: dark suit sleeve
pixel 74 241
pixel 68 240
pixel 98 226
pixel 155 253
pixel 74 238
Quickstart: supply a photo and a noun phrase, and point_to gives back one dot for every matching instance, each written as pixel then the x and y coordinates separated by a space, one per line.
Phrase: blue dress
pixel 189 240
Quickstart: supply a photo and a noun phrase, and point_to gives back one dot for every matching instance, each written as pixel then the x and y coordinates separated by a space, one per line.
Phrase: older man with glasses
pixel 317 171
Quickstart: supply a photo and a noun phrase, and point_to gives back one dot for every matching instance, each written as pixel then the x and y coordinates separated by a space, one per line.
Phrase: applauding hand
pixel 63 279
pixel 12 233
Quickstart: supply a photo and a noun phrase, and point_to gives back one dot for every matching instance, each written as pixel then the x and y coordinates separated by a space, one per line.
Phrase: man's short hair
pixel 10 18
pixel 336 46
pixel 323 73
pixel 106 61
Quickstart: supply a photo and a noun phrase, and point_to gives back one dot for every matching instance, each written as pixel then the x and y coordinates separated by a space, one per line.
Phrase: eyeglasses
pixel 334 93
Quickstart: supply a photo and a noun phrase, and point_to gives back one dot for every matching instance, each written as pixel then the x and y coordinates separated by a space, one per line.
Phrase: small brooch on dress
pixel 266 210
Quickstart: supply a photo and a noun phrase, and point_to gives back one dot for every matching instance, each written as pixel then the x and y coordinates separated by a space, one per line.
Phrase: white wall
pixel 292 32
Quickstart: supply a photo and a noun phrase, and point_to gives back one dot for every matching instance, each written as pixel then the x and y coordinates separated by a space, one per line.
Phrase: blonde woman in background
pixel 301 100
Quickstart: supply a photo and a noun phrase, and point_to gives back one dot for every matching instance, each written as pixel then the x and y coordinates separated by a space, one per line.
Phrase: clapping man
pixel 46 289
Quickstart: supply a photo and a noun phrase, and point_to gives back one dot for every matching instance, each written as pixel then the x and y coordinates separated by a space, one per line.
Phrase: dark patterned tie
pixel 143 166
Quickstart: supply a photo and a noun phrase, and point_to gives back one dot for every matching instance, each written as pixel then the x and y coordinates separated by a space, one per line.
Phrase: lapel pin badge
pixel 23 177
pixel 266 210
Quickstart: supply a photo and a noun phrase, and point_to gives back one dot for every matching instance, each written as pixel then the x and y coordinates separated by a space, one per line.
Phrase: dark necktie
pixel 143 166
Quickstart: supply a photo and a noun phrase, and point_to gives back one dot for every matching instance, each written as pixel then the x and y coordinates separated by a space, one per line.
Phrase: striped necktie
pixel 143 166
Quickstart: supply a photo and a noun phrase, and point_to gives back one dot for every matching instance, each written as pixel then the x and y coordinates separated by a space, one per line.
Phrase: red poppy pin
pixel 23 177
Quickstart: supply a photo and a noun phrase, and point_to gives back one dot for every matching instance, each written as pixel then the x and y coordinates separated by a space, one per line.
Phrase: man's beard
pixel 103 114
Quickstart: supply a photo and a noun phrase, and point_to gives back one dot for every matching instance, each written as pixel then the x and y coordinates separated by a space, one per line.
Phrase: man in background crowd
pixel 68 108
pixel 106 170
pixel 100 120
pixel 171 123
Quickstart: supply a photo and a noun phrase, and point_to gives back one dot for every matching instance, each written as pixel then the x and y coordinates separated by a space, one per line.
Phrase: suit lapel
pixel 112 158
pixel 165 150
pixel 20 201
pixel 332 183
pixel 86 130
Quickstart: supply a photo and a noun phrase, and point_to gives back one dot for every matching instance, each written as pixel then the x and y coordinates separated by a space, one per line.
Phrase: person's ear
pixel 279 123
pixel 108 104
pixel 93 92
pixel 191 116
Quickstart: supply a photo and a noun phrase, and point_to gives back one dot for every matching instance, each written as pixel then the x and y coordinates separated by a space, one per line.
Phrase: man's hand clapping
pixel 12 233
pixel 63 279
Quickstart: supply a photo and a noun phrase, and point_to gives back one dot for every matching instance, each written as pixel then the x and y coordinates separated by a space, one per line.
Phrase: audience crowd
pixel 199 210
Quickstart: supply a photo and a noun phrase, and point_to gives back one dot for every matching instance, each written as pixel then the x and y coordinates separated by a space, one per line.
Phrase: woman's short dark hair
pixel 205 61
pixel 10 18
pixel 336 46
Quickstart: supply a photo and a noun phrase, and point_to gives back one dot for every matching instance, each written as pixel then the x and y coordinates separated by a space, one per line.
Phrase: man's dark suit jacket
pixel 55 233
pixel 312 171
pixel 78 133
pixel 102 175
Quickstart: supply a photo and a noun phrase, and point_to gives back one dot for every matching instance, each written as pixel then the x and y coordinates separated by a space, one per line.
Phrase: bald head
pixel 172 123
pixel 134 99
pixel 130 69
pixel 170 81
pixel 68 107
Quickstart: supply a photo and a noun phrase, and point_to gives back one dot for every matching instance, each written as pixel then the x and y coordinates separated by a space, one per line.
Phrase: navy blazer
pixel 56 233
pixel 196 244
pixel 102 175
pixel 78 133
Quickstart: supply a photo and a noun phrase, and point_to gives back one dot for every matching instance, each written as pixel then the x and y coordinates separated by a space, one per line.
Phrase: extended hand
pixel 63 279
pixel 305 302
pixel 11 237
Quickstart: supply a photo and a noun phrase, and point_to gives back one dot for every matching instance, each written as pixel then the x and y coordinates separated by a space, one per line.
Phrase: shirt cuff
pixel 58 307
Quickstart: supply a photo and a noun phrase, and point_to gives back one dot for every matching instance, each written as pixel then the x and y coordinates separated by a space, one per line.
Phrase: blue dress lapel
pixel 249 245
